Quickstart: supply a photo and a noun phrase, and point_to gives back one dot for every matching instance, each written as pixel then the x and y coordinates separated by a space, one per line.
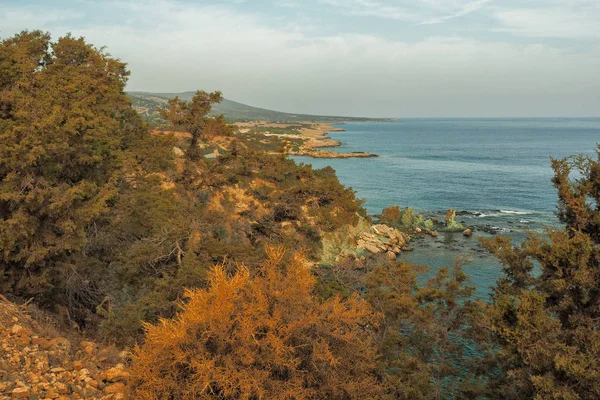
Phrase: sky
pixel 377 58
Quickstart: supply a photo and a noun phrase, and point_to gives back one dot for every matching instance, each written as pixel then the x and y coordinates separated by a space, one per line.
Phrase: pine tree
pixel 547 322
pixel 193 117
pixel 64 124
pixel 428 333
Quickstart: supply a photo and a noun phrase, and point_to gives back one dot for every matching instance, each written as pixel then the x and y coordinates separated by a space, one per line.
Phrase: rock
pixel 21 392
pixel 77 365
pixel 16 330
pixel 468 232
pixel 390 255
pixel 372 249
pixel 42 343
pixel 24 341
pixel 382 230
pixel 60 343
pixel 450 215
pixel 115 374
pixel 118 387
pixel 178 152
pixel 434 234
pixel 418 230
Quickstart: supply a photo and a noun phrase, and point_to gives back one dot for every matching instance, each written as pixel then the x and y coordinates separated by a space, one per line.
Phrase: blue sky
pixel 418 58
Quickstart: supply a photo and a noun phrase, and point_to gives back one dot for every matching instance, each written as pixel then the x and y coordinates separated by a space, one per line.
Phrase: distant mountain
pixel 148 103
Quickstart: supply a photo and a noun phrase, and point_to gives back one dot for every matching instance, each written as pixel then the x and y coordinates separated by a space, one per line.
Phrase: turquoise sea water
pixel 497 171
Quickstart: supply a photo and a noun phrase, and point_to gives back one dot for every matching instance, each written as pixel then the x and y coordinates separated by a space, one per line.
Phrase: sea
pixel 496 173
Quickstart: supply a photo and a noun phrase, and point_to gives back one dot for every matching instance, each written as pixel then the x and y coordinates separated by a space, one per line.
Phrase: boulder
pixel 383 230
pixel 468 232
pixel 390 255
pixel 372 249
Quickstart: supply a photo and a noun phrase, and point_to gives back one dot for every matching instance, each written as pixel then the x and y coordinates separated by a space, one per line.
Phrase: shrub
pixel 263 336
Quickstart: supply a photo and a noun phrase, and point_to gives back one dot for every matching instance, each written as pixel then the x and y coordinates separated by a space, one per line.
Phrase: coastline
pixel 313 138
pixel 317 139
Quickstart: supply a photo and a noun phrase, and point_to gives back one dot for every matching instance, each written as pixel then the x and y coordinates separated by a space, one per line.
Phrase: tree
pixel 193 117
pixel 546 321
pixel 256 337
pixel 64 124
pixel 429 332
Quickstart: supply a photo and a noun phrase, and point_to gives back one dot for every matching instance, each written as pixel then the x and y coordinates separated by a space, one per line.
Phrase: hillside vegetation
pixel 147 104
pixel 225 271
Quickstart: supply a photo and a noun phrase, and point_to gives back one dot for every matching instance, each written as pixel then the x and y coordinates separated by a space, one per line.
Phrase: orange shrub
pixel 260 337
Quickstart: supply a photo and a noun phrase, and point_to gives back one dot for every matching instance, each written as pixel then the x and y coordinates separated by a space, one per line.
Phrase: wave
pixel 515 212
pixel 492 213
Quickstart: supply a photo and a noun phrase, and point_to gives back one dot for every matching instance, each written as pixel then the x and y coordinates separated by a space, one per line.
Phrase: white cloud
pixel 370 8
pixel 558 22
pixel 15 19
pixel 174 47
pixel 421 11
pixel 462 10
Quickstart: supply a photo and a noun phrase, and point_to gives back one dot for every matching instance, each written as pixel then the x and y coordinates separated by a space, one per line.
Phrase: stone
pixel 390 255
pixel 62 388
pixel 60 343
pixel 115 374
pixel 372 249
pixel 21 392
pixel 468 232
pixel 115 388
pixel 450 215
pixel 77 365
pixel 382 230
pixel 42 343
pixel 178 152
pixel 91 382
pixel 434 234
pixel 418 230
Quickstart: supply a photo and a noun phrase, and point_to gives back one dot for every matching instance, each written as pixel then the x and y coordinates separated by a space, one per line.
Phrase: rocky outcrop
pixel 37 364
pixel 450 215
pixel 451 224
pixel 362 240
pixel 382 239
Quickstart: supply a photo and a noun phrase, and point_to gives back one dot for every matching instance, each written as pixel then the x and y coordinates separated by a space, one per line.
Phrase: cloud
pixel 172 46
pixel 369 8
pixel 563 22
pixel 464 9
pixel 15 19
pixel 423 12
pixel 287 4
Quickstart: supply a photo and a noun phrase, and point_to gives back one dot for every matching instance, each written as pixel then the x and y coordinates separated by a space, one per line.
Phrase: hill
pixel 147 104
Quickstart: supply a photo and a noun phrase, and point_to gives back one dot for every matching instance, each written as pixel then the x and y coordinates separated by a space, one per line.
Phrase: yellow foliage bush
pixel 260 337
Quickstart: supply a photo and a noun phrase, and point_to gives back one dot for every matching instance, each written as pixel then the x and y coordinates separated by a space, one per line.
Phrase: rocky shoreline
pixel 317 139
pixel 313 138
